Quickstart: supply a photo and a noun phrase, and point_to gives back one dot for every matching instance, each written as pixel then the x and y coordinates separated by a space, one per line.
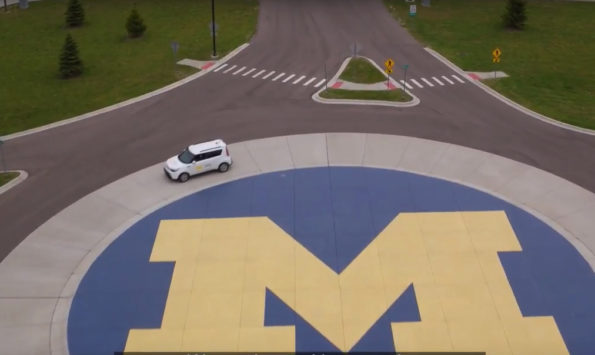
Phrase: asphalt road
pixel 66 163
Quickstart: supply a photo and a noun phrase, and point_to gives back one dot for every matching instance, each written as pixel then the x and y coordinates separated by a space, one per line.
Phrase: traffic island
pixel 360 81
pixel 9 179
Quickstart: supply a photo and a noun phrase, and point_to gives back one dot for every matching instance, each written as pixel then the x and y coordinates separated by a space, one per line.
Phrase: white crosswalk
pixel 305 80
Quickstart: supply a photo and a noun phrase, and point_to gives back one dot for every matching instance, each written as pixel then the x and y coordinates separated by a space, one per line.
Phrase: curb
pixel 316 96
pixel 508 101
pixel 127 102
pixel 14 182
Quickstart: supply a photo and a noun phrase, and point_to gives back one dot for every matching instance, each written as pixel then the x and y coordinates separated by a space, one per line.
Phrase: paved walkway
pixel 41 276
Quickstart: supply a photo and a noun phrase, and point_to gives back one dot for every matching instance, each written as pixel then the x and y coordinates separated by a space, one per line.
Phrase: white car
pixel 197 159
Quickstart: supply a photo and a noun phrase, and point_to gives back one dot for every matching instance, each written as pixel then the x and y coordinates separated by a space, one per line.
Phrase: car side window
pixel 212 154
pixel 200 157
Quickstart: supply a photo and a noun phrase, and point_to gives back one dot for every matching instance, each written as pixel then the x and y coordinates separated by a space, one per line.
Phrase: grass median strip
pixel 360 70
pixel 372 95
pixel 549 63
pixel 116 68
pixel 6 177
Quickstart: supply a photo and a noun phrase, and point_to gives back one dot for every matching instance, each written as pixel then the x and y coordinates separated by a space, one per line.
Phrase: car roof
pixel 206 146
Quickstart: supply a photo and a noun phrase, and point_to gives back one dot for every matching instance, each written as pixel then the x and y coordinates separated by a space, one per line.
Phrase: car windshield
pixel 186 157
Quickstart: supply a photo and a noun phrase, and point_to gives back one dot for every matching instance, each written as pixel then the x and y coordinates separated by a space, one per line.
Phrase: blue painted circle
pixel 334 212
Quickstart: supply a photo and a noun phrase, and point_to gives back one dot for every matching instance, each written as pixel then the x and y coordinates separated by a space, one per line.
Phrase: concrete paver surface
pixel 372 220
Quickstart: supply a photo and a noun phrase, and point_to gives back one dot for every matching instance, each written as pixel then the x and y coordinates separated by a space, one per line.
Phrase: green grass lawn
pixel 116 68
pixel 6 177
pixel 550 62
pixel 382 95
pixel 360 70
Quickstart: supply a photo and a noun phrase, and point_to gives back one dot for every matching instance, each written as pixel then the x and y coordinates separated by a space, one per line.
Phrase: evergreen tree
pixel 515 15
pixel 75 14
pixel 70 63
pixel 135 24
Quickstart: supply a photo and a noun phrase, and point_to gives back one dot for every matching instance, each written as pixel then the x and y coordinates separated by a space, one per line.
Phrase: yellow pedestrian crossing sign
pixel 388 70
pixel 389 63
pixel 496 53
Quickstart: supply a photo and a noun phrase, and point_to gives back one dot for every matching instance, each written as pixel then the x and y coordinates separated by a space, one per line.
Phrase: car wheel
pixel 223 167
pixel 183 177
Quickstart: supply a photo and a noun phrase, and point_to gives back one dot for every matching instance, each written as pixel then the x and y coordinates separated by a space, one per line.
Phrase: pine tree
pixel 75 14
pixel 135 24
pixel 70 63
pixel 515 15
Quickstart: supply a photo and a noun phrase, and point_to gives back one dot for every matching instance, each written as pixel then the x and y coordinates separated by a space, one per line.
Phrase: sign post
pixel 213 29
pixel 496 53
pixel 174 47
pixel 388 68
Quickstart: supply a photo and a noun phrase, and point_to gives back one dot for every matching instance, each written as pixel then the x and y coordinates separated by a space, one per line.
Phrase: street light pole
pixel 213 28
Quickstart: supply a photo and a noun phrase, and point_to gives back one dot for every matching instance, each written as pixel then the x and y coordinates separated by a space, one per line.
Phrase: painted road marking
pixel 427 82
pixel 454 276
pixel 288 78
pixel 299 79
pixel 319 83
pixel 407 85
pixel 438 81
pixel 258 74
pixel 269 74
pixel 459 79
pixel 278 76
pixel 309 81
pixel 416 83
pixel 447 80
pixel 220 67
pixel 230 69
pixel 238 71
pixel 249 71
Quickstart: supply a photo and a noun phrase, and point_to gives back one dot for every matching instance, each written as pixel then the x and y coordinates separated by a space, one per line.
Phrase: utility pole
pixel 212 28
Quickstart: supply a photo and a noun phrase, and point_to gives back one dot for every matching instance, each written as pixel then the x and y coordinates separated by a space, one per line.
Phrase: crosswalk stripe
pixel 299 79
pixel 406 84
pixel 447 80
pixel 289 77
pixel 309 81
pixel 221 67
pixel 416 83
pixel 427 82
pixel 278 76
pixel 258 74
pixel 269 74
pixel 438 81
pixel 459 79
pixel 319 83
pixel 230 69
pixel 238 71
pixel 249 71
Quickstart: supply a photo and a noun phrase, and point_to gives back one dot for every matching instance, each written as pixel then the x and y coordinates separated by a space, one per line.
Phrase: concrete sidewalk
pixel 39 278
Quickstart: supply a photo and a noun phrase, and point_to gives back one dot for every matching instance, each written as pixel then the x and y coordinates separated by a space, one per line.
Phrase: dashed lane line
pixel 459 79
pixel 230 69
pixel 299 79
pixel 319 83
pixel 416 83
pixel 220 67
pixel 288 78
pixel 447 80
pixel 278 76
pixel 258 74
pixel 269 74
pixel 309 81
pixel 249 71
pixel 406 84
pixel 427 82
pixel 438 81
pixel 238 71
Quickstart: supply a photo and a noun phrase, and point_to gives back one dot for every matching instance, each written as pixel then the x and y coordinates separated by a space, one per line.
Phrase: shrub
pixel 75 14
pixel 515 15
pixel 135 24
pixel 70 63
